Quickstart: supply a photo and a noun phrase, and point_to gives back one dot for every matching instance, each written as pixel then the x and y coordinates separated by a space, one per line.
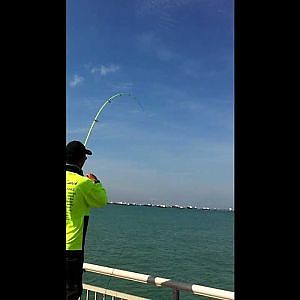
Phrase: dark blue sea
pixel 187 245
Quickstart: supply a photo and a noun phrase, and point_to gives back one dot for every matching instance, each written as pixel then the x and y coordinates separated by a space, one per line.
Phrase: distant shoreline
pixel 171 206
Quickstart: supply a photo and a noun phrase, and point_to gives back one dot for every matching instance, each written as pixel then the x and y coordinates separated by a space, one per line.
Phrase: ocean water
pixel 186 245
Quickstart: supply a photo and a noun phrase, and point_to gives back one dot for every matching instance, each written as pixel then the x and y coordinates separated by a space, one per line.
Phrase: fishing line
pixel 110 277
pixel 139 103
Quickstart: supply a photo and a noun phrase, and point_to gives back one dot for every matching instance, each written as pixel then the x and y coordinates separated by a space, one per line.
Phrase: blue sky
pixel 171 142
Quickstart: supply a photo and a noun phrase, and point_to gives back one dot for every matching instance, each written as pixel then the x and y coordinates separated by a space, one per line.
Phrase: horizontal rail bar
pixel 158 281
pixel 111 293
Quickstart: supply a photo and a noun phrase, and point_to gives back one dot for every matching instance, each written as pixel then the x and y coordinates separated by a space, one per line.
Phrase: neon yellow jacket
pixel 82 194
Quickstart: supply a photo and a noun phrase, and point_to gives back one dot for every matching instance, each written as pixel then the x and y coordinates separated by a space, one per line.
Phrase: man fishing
pixel 82 194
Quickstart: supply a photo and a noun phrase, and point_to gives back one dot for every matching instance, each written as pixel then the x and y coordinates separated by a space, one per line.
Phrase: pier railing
pixel 176 286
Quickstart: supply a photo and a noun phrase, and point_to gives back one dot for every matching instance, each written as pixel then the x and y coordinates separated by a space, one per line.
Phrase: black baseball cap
pixel 76 149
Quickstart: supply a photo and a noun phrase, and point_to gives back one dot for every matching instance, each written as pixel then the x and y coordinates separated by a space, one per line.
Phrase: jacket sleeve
pixel 94 194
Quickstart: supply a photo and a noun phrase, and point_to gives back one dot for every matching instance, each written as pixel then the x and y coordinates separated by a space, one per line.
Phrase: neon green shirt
pixel 82 194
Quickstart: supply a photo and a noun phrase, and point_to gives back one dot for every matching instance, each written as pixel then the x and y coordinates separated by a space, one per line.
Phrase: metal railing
pixel 195 289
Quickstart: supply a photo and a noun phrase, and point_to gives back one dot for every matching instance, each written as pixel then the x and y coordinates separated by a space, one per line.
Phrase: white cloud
pixel 104 70
pixel 76 80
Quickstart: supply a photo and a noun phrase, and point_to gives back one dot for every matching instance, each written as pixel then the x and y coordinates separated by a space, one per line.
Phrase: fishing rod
pixel 92 125
pixel 96 120
pixel 100 110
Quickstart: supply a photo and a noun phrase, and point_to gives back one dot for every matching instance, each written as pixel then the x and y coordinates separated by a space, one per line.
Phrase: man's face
pixel 82 161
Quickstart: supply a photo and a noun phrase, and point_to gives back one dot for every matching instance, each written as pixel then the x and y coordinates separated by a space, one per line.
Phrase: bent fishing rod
pixel 100 110
pixel 96 120
pixel 92 125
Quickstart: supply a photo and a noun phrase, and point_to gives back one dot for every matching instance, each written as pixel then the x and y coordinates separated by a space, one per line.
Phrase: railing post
pixel 175 294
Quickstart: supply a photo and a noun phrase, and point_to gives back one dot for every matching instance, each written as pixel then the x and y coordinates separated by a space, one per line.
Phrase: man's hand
pixel 92 177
